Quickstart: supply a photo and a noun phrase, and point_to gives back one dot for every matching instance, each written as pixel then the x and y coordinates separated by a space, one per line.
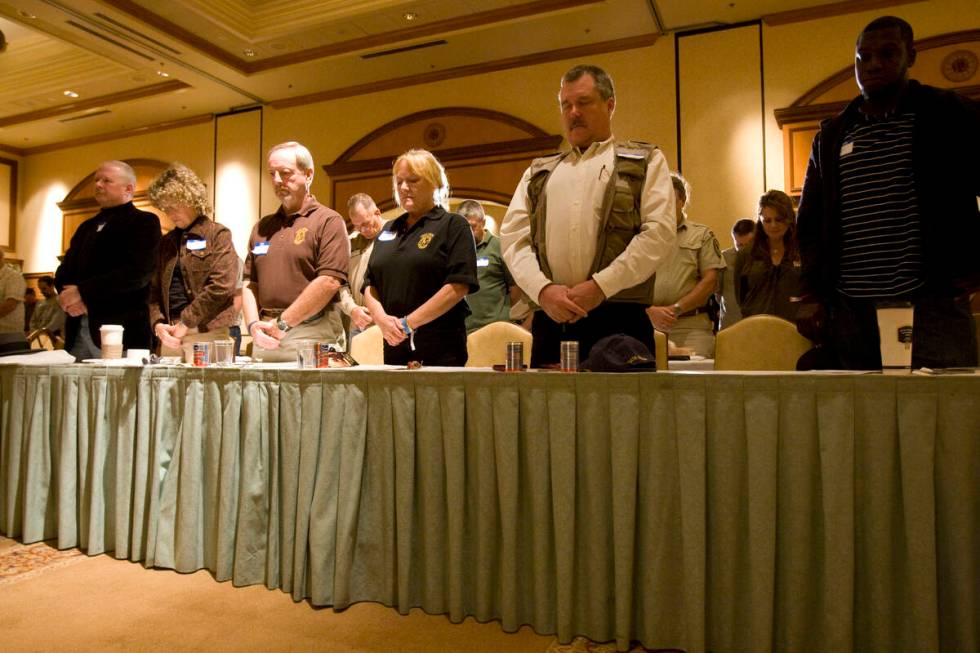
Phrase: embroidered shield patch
pixel 425 239
pixel 300 236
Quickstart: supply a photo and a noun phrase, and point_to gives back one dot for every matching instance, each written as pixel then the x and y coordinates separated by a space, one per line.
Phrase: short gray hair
pixel 471 209
pixel 127 170
pixel 603 82
pixel 360 199
pixel 303 157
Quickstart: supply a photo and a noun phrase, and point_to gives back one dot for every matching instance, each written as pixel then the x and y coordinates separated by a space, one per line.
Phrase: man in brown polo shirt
pixel 297 260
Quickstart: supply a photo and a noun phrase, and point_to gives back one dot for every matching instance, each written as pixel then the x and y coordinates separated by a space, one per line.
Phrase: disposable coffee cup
pixel 112 340
pixel 895 333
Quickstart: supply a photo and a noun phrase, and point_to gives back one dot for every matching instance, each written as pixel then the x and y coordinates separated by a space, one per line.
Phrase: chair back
pixel 368 346
pixel 487 346
pixel 44 339
pixel 760 342
pixel 660 342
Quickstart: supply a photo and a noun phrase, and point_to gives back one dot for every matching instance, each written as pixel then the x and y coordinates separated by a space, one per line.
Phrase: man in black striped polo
pixel 889 212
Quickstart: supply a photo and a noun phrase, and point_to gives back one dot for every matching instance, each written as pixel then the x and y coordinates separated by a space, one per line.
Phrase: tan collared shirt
pixel 350 295
pixel 12 287
pixel 697 251
pixel 574 194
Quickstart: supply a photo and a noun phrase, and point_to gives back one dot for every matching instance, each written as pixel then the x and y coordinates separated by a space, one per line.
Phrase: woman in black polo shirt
pixel 422 266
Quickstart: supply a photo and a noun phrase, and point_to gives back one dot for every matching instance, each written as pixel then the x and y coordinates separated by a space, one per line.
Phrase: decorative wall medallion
pixel 434 134
pixel 960 65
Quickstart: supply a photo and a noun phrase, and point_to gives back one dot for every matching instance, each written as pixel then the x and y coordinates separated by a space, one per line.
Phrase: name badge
pixel 386 235
pixel 260 249
pixel 482 262
pixel 196 244
pixel 846 148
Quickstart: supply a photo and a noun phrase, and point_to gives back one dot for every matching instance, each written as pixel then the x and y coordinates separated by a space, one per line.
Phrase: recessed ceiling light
pixel 26 14
pixel 70 93
pixel 410 16
pixel 248 52
pixel 163 74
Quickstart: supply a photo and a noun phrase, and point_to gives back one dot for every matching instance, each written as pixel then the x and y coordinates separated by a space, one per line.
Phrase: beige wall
pixel 721 125
pixel 795 57
pixel 800 55
pixel 644 81
pixel 49 176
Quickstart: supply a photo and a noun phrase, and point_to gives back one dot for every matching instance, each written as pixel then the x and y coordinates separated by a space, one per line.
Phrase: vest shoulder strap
pixel 541 168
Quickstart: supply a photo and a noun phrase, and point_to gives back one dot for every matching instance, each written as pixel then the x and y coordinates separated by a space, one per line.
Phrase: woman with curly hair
pixel 767 276
pixel 193 291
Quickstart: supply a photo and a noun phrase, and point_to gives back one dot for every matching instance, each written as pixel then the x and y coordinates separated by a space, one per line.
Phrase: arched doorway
pixel 484 153
pixel 945 61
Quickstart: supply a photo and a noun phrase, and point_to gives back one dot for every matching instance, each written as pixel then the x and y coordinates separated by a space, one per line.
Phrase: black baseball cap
pixel 620 353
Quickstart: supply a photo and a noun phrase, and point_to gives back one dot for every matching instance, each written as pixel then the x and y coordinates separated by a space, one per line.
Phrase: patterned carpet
pixel 583 645
pixel 22 561
pixel 19 561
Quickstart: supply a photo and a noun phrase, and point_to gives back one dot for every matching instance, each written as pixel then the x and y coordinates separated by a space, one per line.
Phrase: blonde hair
pixel 179 186
pixel 427 166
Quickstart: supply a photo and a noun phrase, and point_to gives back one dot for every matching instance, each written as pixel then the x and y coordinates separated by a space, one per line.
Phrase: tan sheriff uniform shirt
pixel 12 287
pixel 350 295
pixel 697 251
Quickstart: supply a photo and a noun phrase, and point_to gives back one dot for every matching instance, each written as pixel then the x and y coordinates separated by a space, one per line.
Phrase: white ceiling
pixel 140 63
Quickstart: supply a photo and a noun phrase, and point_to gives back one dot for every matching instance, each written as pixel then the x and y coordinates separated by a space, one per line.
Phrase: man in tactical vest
pixel 587 228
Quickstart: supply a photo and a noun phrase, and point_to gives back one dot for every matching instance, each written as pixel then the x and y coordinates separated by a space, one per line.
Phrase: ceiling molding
pixel 10 149
pixel 825 11
pixel 629 43
pixel 92 103
pixel 176 31
pixel 479 19
pixel 116 135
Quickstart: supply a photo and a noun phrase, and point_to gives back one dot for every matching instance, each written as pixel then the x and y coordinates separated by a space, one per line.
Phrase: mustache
pixel 577 123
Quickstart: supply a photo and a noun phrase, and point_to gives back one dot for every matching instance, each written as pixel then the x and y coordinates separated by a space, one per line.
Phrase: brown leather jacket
pixel 210 272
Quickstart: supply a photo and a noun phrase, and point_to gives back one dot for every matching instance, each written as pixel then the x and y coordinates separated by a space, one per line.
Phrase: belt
pixel 695 311
pixel 266 313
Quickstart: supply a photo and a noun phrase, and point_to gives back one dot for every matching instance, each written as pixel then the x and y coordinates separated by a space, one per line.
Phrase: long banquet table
pixel 722 512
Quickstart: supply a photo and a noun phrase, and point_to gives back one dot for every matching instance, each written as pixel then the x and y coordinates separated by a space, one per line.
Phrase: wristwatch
pixel 281 324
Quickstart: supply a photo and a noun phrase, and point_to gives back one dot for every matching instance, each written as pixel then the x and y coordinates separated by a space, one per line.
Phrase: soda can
pixel 202 354
pixel 569 356
pixel 323 352
pixel 514 360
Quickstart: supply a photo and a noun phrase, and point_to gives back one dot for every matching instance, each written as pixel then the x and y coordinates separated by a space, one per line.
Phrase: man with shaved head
pixel 104 277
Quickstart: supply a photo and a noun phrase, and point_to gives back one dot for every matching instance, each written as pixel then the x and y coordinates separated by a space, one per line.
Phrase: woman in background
pixel 767 276
pixel 194 288
pixel 422 266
